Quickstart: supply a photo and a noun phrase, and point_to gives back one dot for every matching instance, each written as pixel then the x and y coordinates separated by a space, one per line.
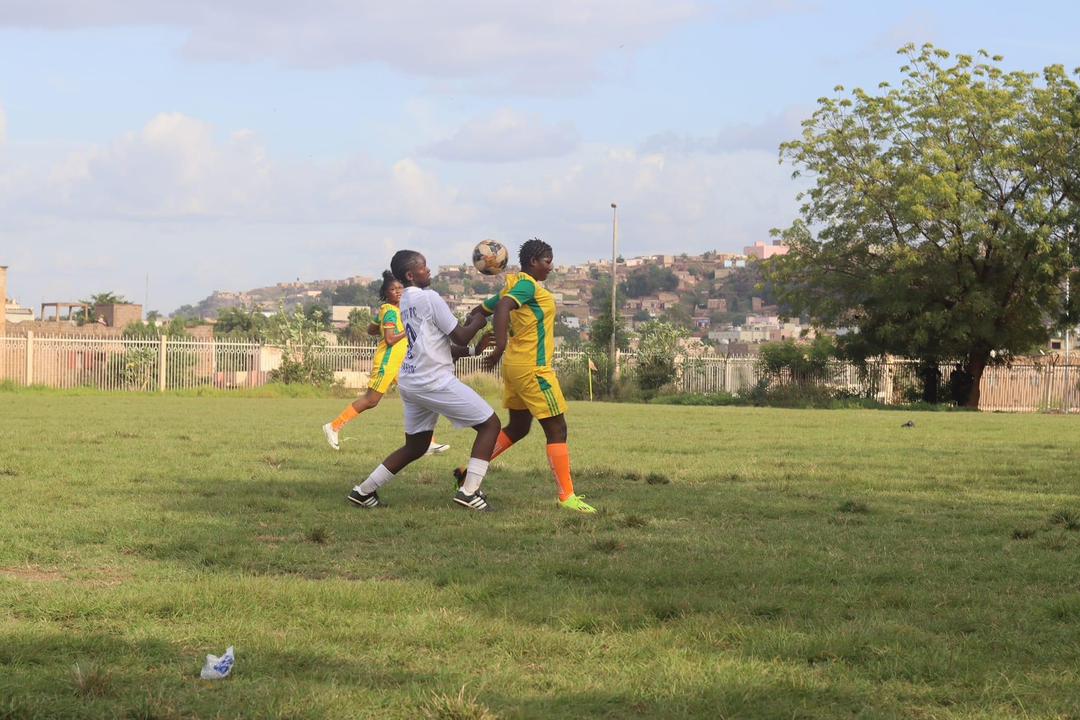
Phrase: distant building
pixel 339 314
pixel 15 313
pixel 118 315
pixel 761 251
pixel 716 304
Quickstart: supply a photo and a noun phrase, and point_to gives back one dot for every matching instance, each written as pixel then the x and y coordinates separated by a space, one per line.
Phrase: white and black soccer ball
pixel 490 257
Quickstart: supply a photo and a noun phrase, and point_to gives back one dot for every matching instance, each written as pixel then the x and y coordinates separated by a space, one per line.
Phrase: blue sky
pixel 228 145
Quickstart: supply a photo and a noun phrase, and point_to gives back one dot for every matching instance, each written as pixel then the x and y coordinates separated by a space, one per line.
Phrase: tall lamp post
pixel 1068 328
pixel 614 283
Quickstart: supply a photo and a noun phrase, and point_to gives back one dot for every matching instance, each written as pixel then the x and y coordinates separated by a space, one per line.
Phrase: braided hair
pixel 388 281
pixel 531 250
pixel 402 262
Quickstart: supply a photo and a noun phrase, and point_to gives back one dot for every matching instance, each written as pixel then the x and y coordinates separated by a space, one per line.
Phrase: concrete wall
pixel 119 316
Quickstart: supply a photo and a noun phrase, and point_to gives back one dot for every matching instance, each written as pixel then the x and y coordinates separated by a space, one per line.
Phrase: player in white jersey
pixel 429 388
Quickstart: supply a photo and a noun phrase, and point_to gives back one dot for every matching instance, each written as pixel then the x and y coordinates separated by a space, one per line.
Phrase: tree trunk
pixel 974 367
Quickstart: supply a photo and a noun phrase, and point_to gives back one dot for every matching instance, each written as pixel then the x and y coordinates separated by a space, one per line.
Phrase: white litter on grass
pixel 218 667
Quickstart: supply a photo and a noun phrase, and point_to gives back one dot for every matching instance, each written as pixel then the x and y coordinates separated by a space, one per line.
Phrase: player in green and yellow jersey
pixel 389 355
pixel 525 342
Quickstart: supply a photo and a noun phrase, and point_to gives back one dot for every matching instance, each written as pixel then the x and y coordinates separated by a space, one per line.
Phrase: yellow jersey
pixel 532 323
pixel 388 358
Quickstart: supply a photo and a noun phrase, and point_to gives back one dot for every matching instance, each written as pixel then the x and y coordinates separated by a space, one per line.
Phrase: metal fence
pixel 160 364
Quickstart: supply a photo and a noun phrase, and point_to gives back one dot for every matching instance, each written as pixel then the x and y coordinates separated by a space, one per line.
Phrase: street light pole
pixel 614 283
pixel 1068 328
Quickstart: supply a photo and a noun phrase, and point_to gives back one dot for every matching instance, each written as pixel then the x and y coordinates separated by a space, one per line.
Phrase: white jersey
pixel 428 323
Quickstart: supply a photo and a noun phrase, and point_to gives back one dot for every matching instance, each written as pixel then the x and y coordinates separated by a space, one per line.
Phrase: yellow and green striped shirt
pixel 389 356
pixel 532 323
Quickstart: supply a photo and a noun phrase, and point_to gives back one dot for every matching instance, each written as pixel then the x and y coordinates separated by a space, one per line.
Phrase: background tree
pixel 945 212
pixel 600 333
pixel 648 281
pixel 356 332
pixel 571 336
pixel 242 322
pixel 301 338
pixel 658 343
pixel 365 295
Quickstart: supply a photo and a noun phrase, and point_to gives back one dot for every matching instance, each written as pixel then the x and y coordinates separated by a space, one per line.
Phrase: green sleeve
pixel 390 316
pixel 523 292
pixel 491 302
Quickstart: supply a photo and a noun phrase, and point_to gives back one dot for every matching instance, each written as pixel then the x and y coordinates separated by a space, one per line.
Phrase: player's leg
pixel 516 428
pixel 520 420
pixel 463 407
pixel 419 424
pixel 469 494
pixel 558 453
pixel 543 394
pixel 367 401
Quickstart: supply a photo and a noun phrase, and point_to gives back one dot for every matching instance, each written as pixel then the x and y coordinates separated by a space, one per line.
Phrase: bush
pixel 658 344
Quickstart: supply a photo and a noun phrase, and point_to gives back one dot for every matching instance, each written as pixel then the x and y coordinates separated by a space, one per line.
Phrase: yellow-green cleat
pixel 575 502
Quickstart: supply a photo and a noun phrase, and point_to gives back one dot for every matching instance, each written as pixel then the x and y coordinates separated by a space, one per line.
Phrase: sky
pixel 164 150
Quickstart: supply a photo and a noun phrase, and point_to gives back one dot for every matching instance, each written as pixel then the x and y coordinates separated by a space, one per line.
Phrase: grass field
pixel 747 563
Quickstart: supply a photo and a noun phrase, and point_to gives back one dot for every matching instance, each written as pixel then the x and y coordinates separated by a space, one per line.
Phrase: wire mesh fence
pixel 159 364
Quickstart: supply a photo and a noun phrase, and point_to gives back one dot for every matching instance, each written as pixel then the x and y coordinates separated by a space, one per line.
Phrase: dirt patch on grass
pixel 32 573
pixel 95 577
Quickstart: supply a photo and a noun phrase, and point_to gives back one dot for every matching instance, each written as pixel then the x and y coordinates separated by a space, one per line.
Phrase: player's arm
pixel 459 351
pixel 446 322
pixel 502 330
pixel 389 328
pixel 486 308
pixel 462 334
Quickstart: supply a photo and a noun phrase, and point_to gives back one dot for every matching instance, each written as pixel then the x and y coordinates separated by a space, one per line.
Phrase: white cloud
pixel 505 136
pixel 489 43
pixel 764 135
pixel 200 209
pixel 3 126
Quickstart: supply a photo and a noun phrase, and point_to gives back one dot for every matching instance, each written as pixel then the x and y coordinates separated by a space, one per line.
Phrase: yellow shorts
pixel 532 388
pixel 384 369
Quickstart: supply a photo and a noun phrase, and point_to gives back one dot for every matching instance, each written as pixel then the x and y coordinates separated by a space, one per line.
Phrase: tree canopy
pixel 941 219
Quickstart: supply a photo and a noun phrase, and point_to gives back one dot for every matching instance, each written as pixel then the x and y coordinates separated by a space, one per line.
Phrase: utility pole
pixel 614 283
pixel 1068 330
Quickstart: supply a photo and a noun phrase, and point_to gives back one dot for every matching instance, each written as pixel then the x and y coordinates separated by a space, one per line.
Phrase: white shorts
pixel 455 401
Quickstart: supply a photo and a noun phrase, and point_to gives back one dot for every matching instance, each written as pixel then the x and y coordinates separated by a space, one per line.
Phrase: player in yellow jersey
pixel 385 365
pixel 525 341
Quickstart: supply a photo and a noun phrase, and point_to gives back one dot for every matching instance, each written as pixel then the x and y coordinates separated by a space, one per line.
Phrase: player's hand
pixel 490 361
pixel 486 340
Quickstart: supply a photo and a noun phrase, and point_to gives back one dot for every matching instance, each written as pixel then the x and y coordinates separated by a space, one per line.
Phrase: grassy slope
pixel 748 563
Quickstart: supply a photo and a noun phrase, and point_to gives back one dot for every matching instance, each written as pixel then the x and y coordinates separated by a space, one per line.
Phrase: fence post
pixel 29 358
pixel 161 363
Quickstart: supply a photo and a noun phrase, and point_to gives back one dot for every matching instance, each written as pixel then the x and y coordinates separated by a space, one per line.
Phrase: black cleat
pixel 473 502
pixel 366 501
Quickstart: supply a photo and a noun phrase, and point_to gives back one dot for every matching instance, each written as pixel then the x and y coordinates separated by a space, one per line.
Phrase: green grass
pixel 746 563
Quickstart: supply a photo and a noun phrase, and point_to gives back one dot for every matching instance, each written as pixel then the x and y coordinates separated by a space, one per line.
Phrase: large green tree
pixel 941 218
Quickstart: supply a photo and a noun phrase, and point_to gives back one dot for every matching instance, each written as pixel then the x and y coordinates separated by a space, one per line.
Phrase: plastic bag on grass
pixel 217 668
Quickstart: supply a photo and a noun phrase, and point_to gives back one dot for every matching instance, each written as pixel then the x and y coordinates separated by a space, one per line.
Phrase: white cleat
pixel 331 436
pixel 437 448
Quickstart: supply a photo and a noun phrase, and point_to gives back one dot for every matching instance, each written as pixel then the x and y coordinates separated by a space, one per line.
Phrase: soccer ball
pixel 489 257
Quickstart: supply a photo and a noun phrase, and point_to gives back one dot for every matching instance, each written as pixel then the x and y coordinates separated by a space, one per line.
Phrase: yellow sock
pixel 346 415
pixel 559 458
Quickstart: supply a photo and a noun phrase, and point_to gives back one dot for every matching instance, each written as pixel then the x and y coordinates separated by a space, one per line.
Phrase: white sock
pixel 474 475
pixel 378 477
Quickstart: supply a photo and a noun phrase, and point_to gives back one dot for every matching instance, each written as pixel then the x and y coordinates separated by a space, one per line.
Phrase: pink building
pixel 761 251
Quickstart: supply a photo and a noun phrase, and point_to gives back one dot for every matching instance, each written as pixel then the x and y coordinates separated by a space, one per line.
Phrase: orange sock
pixel 346 415
pixel 501 445
pixel 559 457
